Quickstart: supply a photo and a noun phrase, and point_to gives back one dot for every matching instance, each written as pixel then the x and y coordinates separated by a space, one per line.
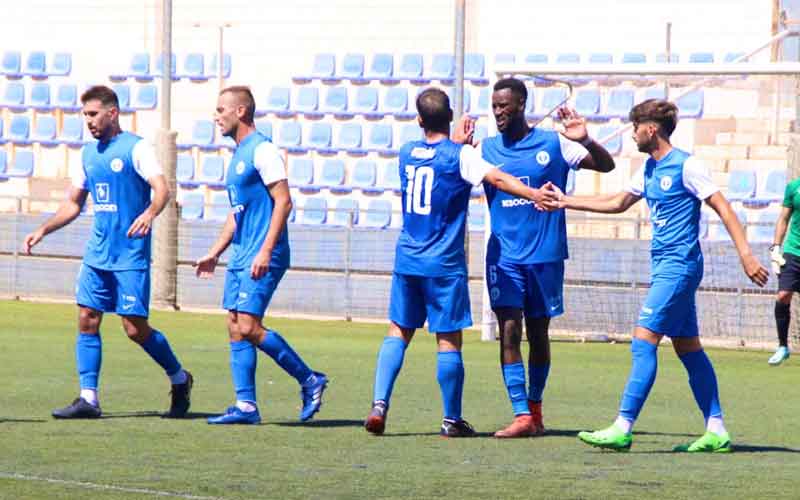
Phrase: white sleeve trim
pixel 573 152
pixel 268 161
pixel 697 178
pixel 473 167
pixel 145 161
pixel 78 175
pixel 636 184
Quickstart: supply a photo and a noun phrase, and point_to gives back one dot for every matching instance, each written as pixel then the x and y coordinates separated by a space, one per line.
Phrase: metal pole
pixel 669 56
pixel 458 105
pixel 220 56
pixel 166 63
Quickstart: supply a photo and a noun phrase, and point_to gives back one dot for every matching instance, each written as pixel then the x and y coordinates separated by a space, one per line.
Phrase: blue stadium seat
pixel 349 139
pixel 184 170
pixel 411 68
pixel 11 65
pixel 773 187
pixel 23 164
pixel 475 69
pixel 278 103
pixel 634 58
pixel 323 68
pixel 391 176
pixel 2 139
pixel 613 146
pixel 352 68
pixel 442 69
pixel 661 58
pixel 173 66
pixel 467 99
pixel 380 139
pixel 3 164
pixel 301 173
pixel 62 64
pixel 482 108
pixel 571 58
pixel 364 175
pixel 530 105
pixel 551 98
pixel 139 69
pixel 146 97
pixel 587 103
pixel 14 96
pixel 219 206
pixel 36 64
pixel 319 138
pixel 192 204
pixel 67 98
pixel 505 58
pixel 656 92
pixel 395 103
pixel 290 136
pixel 315 211
pixel 333 175
pixel 536 58
pixel 203 135
pixel 620 102
pixel 20 129
pixel 44 132
pixel 381 68
pixel 123 92
pixel 194 68
pixel 691 105
pixel 345 209
pixel 40 96
pixel 732 56
pixel 701 57
pixel 476 217
pixel 336 102
pixel 378 214
pixel 72 131
pixel 601 58
pixel 265 127
pixel 212 171
pixel 366 103
pixel 307 102
pixel 212 69
pixel 410 132
pixel 741 185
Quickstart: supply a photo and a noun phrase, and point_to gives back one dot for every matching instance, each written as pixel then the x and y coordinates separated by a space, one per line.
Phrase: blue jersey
pixel 435 201
pixel 674 188
pixel 520 233
pixel 120 195
pixel 252 207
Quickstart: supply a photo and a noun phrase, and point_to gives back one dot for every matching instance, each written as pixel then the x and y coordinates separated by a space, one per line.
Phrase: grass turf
pixel 132 453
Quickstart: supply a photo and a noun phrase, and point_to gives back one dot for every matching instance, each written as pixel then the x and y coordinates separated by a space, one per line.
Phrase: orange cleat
pixel 521 426
pixel 536 415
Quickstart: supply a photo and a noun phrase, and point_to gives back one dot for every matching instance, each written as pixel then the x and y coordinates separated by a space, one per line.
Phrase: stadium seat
pixel 661 58
pixel 603 58
pixel 475 69
pixel 301 173
pixel 442 69
pixel 378 214
pixel 613 146
pixel 381 68
pixel 146 97
pixel 411 68
pixel 36 64
pixel 123 92
pixel 366 103
pixel 656 92
pixel 701 57
pixel 67 98
pixel 364 175
pixel 634 58
pixel 3 164
pixel 380 138
pixel 691 105
pixel 395 103
pixel 11 64
pixel 476 217
pixel 352 68
pixel 323 68
pixel 349 139
pixel 410 132
pixel 192 205
pixel 551 99
pixel 2 139
pixel 315 211
pixel 203 135
pixel 530 105
pixel 72 131
pixel 345 209
pixel 308 102
pixel 40 96
pixel 772 188
pixel 160 63
pixel 139 69
pixel 467 98
pixel 61 65
pixel 336 103
pixel 333 175
pixel 14 96
pixel 278 103
pixel 587 103
pixel 741 185
pixel 265 128
pixel 762 225
pixel 212 69
pixel 391 176
pixel 505 58
pixel 194 68
pixel 482 108
pixel 219 206
pixel 22 165
pixel 290 136
pixel 20 129
pixel 44 132
pixel 733 56
pixel 212 171
pixel 571 58
pixel 319 138
pixel 620 102
pixel 184 170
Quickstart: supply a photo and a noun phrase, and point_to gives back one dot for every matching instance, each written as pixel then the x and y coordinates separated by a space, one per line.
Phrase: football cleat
pixel 180 398
pixel 234 415
pixel 80 408
pixel 376 420
pixel 521 426
pixel 709 442
pixel 611 438
pixel 312 396
pixel 780 356
pixel 456 429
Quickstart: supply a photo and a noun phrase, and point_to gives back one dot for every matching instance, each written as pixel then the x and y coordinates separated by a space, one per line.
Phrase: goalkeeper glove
pixel 776 259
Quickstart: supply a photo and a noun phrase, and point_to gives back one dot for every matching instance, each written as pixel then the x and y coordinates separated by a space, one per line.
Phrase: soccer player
pixel 119 170
pixel 527 248
pixel 259 195
pixel 786 265
pixel 430 271
pixel 674 184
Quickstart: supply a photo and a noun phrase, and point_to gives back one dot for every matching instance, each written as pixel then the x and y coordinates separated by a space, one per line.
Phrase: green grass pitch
pixel 132 453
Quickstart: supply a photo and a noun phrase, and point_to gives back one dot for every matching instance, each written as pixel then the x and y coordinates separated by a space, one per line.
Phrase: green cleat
pixel 611 438
pixel 708 443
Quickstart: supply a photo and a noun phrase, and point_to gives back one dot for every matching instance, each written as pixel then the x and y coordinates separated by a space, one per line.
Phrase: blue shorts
pixel 244 294
pixel 126 293
pixel 443 300
pixel 536 288
pixel 669 308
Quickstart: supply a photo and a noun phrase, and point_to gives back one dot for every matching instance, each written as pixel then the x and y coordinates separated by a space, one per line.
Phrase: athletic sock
pixel 538 379
pixel 89 356
pixel 279 350
pixel 390 361
pixel 158 348
pixel 703 381
pixel 243 370
pixel 450 374
pixel 782 318
pixel 640 381
pixel 514 378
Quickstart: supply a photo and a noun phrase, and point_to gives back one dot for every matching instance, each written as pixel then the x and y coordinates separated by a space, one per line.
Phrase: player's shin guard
pixel 89 356
pixel 390 360
pixel 243 370
pixel 640 381
pixel 514 378
pixel 450 374
pixel 703 381
pixel 782 318
pixel 278 349
pixel 538 379
pixel 158 348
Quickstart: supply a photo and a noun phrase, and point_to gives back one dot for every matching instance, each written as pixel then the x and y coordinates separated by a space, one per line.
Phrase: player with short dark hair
pixel 119 170
pixel 259 195
pixel 526 250
pixel 674 184
pixel 430 270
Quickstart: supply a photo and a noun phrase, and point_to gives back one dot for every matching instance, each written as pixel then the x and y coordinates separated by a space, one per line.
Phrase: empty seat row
pixel 21 165
pixel 45 131
pixel 609 58
pixel 35 65
pixel 193 67
pixel 756 188
pixel 378 138
pixel 39 97
pixel 619 101
pixel 333 175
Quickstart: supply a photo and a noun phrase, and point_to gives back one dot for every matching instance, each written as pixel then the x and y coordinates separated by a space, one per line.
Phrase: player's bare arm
pixel 575 129
pixel 604 204
pixel 463 131
pixel 205 265
pixel 68 211
pixel 542 199
pixel 142 225
pixel 752 267
pixel 280 213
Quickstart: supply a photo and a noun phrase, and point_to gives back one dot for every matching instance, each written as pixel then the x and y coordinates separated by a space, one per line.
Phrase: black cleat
pixel 456 429
pixel 180 398
pixel 376 420
pixel 80 408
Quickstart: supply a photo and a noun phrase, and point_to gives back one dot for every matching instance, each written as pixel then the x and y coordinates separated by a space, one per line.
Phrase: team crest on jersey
pixel 543 158
pixel 240 167
pixel 666 183
pixel 116 165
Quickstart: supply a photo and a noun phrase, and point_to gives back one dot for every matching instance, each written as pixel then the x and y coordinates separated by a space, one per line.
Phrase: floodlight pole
pixel 458 104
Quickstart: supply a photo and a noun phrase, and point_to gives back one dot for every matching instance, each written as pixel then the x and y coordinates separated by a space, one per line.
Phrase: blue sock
pixel 158 348
pixel 243 370
pixel 277 348
pixel 514 378
pixel 450 374
pixel 703 382
pixel 640 380
pixel 538 375
pixel 390 360
pixel 89 354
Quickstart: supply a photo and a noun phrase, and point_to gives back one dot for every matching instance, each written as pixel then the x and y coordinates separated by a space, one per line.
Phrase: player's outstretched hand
pixel 141 226
pixel 260 266
pixel 757 273
pixel 32 240
pixel 204 266
pixel 462 133
pixel 574 124
pixel 554 197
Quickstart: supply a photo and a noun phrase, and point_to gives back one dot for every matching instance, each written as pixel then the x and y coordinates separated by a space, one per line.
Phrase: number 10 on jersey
pixel 418 190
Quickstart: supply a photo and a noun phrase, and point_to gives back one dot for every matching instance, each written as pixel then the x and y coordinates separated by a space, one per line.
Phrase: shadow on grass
pixel 156 414
pixel 321 423
pixel 737 448
pixel 22 420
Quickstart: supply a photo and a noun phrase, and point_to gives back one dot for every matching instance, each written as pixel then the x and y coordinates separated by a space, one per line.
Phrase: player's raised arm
pixel 68 211
pixel 598 159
